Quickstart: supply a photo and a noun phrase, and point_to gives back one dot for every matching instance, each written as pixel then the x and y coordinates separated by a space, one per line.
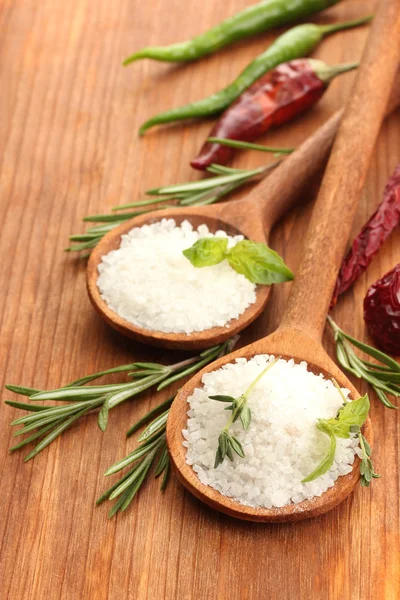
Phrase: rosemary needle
pixel 202 192
pixel 249 146
pixel 46 423
pixel 384 377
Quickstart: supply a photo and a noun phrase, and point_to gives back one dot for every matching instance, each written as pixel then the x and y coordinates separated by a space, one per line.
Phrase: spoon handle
pixel 335 208
pixel 279 192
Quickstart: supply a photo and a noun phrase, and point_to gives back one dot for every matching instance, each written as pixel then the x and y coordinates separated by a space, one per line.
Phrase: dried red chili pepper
pixel 275 98
pixel 382 311
pixel 371 237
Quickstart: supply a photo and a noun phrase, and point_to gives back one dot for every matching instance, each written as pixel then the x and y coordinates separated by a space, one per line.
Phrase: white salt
pixel 282 445
pixel 150 283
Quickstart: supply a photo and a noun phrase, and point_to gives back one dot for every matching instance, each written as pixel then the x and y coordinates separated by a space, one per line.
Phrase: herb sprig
pixel 152 453
pixel 256 261
pixel 384 376
pixel 349 419
pixel 227 443
pixel 193 193
pixel 48 423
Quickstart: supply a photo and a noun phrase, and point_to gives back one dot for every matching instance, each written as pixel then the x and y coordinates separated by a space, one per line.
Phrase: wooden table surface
pixel 70 115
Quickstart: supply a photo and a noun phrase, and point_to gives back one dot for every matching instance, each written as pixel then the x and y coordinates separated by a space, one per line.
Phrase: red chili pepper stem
pixel 326 72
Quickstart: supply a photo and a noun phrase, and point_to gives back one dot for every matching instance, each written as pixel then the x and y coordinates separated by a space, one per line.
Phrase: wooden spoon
pixel 253 217
pixel 300 333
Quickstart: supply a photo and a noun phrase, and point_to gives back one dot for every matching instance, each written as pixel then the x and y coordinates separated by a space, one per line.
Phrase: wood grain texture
pixel 69 148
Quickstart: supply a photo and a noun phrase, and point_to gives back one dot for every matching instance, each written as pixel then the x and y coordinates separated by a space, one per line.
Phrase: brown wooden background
pixel 69 120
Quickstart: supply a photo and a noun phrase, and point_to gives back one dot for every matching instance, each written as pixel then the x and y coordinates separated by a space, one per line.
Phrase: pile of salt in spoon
pixel 148 281
pixel 282 445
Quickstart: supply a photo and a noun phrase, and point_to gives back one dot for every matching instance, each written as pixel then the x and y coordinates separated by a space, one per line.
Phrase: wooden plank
pixel 69 148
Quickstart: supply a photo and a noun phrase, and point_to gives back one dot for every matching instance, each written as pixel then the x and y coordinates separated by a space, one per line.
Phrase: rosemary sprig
pixel 194 193
pixel 250 146
pixel 152 451
pixel 49 422
pixel 383 377
pixel 227 443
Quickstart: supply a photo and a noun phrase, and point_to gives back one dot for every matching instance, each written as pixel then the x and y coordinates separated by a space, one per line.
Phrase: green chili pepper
pixel 295 43
pixel 254 19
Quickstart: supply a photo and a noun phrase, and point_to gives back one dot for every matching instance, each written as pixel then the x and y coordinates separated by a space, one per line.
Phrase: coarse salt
pixel 150 283
pixel 282 445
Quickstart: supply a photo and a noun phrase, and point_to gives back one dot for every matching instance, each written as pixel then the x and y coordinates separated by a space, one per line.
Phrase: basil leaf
pixel 354 412
pixel 325 425
pixel 350 418
pixel 326 463
pixel 207 251
pixel 342 430
pixel 258 263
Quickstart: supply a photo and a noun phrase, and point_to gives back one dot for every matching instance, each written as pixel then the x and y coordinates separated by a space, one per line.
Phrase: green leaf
pixel 367 447
pixel 54 434
pixel 326 463
pixel 148 416
pixel 223 443
pixel 22 390
pixel 34 436
pixel 218 458
pixel 139 452
pixel 138 470
pixel 364 466
pixel 105 495
pixel 148 365
pixel 355 412
pixel 258 263
pixel 325 426
pixel 245 416
pixel 26 406
pixel 371 351
pixel 354 429
pixel 222 398
pixel 229 452
pixel 155 426
pixel 352 415
pixel 165 479
pixel 102 419
pixel 249 146
pixel 207 251
pixel 236 446
pixel 162 462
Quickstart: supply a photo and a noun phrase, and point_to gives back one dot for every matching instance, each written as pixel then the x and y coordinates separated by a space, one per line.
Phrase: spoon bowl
pixel 288 344
pixel 246 220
